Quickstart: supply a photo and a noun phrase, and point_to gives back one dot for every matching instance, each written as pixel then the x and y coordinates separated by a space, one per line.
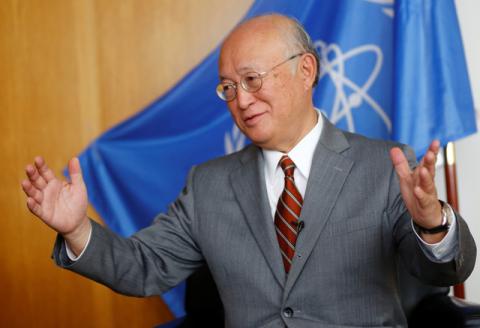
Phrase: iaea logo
pixel 349 95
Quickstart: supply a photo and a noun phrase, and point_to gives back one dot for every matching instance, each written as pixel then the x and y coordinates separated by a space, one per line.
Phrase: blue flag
pixel 391 71
pixel 432 97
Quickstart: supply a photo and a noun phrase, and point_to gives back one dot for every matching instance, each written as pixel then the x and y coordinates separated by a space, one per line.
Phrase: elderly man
pixel 301 229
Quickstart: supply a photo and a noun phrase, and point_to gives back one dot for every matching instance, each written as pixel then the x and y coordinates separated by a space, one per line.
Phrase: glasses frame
pixel 220 87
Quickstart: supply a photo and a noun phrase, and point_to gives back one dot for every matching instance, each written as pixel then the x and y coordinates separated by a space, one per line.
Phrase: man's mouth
pixel 253 119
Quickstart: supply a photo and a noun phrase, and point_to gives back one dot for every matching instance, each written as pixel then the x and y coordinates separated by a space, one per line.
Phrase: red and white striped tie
pixel 287 214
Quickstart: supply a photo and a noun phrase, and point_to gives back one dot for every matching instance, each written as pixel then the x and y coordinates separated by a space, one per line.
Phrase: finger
pixel 435 147
pixel 400 163
pixel 35 178
pixel 46 173
pixel 34 207
pixel 75 171
pixel 405 176
pixel 426 182
pixel 429 161
pixel 32 192
pixel 421 196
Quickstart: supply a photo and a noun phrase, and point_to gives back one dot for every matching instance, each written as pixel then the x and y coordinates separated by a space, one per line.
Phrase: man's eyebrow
pixel 242 70
pixel 245 69
pixel 223 78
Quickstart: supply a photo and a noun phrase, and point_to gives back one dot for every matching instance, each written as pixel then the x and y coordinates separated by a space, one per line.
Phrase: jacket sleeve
pixel 151 261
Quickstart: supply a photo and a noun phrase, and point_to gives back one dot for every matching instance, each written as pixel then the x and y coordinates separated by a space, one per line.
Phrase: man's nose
pixel 244 98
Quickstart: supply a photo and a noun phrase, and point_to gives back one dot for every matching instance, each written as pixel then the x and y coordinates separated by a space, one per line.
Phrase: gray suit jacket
pixel 344 270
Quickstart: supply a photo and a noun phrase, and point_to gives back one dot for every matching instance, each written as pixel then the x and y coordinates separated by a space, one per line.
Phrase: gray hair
pixel 300 39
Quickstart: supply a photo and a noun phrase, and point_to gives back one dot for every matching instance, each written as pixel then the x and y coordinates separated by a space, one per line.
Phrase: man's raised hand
pixel 418 187
pixel 61 205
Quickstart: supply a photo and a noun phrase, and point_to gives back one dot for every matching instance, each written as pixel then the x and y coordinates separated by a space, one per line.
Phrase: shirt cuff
pixel 444 251
pixel 72 256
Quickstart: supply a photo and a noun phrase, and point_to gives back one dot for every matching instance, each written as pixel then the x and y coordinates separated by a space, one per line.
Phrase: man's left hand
pixel 418 189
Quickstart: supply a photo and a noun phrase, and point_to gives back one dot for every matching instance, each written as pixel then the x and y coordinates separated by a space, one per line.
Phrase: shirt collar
pixel 301 154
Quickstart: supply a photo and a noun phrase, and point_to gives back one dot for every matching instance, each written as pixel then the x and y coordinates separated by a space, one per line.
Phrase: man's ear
pixel 308 69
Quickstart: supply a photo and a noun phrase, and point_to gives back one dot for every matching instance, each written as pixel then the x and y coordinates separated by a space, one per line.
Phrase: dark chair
pixel 202 302
pixel 429 306
pixel 440 310
pixel 425 306
pixel 203 306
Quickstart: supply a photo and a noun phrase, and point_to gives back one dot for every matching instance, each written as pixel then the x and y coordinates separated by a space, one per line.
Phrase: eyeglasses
pixel 250 82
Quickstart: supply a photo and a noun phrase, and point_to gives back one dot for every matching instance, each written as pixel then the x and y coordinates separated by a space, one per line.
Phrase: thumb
pixel 399 162
pixel 75 171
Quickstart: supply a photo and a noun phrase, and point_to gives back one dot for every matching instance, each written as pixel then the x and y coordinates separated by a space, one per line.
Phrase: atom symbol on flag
pixel 349 95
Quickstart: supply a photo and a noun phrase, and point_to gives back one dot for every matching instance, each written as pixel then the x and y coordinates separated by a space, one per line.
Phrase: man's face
pixel 269 115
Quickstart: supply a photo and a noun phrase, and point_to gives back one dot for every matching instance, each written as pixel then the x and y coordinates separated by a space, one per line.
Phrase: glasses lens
pixel 251 82
pixel 226 92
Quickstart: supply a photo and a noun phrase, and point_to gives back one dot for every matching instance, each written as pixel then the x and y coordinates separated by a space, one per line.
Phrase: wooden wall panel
pixel 69 70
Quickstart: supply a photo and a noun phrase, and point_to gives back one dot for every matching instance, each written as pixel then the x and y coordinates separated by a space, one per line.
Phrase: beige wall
pixel 69 69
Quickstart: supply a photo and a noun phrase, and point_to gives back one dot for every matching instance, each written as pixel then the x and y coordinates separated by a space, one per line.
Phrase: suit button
pixel 288 312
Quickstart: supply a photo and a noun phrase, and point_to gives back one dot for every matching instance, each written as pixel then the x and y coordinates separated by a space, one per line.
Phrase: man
pixel 301 229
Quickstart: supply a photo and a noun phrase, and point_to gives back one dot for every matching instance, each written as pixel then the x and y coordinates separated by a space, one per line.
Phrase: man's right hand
pixel 60 204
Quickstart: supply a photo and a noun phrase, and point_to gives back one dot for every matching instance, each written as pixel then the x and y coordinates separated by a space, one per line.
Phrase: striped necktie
pixel 287 214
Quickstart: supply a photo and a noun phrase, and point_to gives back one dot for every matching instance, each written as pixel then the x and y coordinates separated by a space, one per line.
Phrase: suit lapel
pixel 327 176
pixel 248 183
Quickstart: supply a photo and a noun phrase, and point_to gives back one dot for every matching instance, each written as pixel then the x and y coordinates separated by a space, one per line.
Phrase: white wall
pixel 468 149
